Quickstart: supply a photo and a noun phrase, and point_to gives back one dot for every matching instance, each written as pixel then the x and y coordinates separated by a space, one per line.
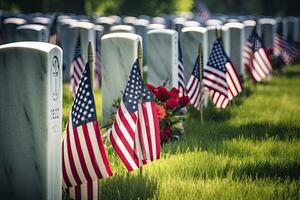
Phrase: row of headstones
pixel 70 28
pixel 31 100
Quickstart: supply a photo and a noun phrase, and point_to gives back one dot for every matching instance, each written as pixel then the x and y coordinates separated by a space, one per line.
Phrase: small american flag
pixel 89 191
pixel 286 50
pixel 77 68
pixel 195 86
pixel 181 78
pixel 220 77
pixel 202 10
pixel 53 38
pixel 255 58
pixel 135 131
pixel 97 67
pixel 84 158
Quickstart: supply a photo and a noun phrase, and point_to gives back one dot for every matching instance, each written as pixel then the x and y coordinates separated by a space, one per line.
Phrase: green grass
pixel 249 151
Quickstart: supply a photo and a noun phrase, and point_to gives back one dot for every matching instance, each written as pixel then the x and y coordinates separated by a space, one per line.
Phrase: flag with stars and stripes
pixel 181 78
pixel 202 10
pixel 86 191
pixel 135 133
pixel 284 49
pixel 53 37
pixel 97 67
pixel 195 86
pixel 255 58
pixel 77 67
pixel 84 159
pixel 220 77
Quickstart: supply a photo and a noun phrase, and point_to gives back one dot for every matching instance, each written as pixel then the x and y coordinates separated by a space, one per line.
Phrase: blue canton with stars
pixel 77 52
pixel 196 71
pixel 83 109
pixel 135 90
pixel 217 58
pixel 257 42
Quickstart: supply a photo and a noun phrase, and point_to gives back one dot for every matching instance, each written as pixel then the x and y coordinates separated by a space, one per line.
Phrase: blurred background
pixel 152 7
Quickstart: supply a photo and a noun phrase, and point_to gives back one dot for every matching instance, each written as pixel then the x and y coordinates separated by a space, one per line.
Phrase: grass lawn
pixel 249 151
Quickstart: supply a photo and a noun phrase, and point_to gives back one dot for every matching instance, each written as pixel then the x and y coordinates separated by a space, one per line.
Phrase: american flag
pixel 135 131
pixel 97 67
pixel 220 77
pixel 77 68
pixel 181 78
pixel 84 158
pixel 195 86
pixel 255 58
pixel 89 191
pixel 53 38
pixel 286 50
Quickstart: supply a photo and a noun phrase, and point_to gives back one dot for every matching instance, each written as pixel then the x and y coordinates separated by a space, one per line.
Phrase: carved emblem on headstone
pixel 54 82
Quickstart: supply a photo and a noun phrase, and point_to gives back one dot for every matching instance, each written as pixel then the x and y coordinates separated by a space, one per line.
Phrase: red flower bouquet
pixel 171 110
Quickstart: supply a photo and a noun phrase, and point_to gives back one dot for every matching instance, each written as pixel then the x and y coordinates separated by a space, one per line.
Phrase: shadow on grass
pixel 133 186
pixel 292 74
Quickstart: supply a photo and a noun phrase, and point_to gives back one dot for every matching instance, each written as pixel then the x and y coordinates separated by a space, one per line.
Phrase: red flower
pixel 184 100
pixel 161 112
pixel 171 103
pixel 175 92
pixel 165 134
pixel 152 88
pixel 163 94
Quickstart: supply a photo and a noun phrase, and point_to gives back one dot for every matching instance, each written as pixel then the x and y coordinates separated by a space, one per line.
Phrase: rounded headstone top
pixel 164 31
pixel 37 27
pixel 232 20
pixel 41 20
pixel 141 22
pixel 179 20
pixel 122 28
pixel 213 27
pixel 105 20
pixel 131 36
pixel 129 20
pixel 158 20
pixel 156 26
pixel 85 25
pixel 191 24
pixel 249 23
pixel 234 25
pixel 267 21
pixel 68 21
pixel 117 19
pixel 213 22
pixel 14 20
pixel 194 29
pixel 98 28
pixel 42 46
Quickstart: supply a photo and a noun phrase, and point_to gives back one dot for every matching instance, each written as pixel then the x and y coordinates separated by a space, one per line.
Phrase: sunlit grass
pixel 249 151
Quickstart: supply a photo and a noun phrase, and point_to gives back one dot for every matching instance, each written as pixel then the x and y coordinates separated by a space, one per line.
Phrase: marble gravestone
pixel 32 32
pixel 211 36
pixel 119 52
pixel 158 20
pixel 290 27
pixel 213 22
pixel 122 28
pixel 191 24
pixel 42 21
pixel 129 20
pixel 235 45
pixel 9 28
pixel 191 38
pixel 178 24
pixel 266 30
pixel 106 22
pixel 117 19
pixel 162 57
pixel 86 32
pixel 248 27
pixel 30 121
pixel 155 27
pixel 141 29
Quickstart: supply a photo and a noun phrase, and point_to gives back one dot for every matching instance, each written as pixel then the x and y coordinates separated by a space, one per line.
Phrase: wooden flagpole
pixel 200 56
pixel 140 62
pixel 91 66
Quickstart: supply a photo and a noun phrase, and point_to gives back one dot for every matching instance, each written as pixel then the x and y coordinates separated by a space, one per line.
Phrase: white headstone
pixel 162 57
pixel 32 32
pixel 9 28
pixel 30 121
pixel 129 20
pixel 236 45
pixel 213 22
pixel 106 22
pixel 266 29
pixel 155 27
pixel 86 32
pixel 41 20
pixel 141 29
pixel 191 38
pixel 191 24
pixel 119 51
pixel 122 28
pixel 158 20
pixel 248 27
